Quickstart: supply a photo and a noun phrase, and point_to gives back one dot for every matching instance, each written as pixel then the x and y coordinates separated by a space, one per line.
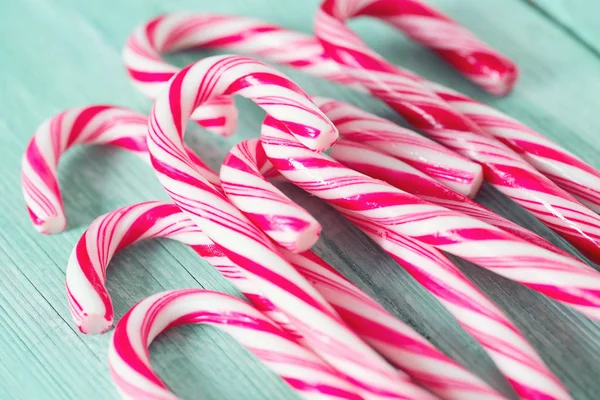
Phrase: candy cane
pixel 562 278
pixel 96 124
pixel 92 310
pixel 564 168
pixel 428 157
pixel 379 165
pixel 404 92
pixel 479 316
pixel 399 343
pixel 466 53
pixel 129 358
pixel 89 301
pixel 500 338
pixel 288 224
pixel 319 326
pixel 142 57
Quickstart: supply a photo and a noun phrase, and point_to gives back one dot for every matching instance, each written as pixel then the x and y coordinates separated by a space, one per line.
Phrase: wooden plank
pixel 577 17
pixel 63 53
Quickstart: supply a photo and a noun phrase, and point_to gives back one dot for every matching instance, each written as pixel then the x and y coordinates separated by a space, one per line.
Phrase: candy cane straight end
pixel 94 324
pixel 475 185
pixel 497 81
pixel 307 238
pixel 243 180
pixel 49 225
pixel 49 220
pixel 505 83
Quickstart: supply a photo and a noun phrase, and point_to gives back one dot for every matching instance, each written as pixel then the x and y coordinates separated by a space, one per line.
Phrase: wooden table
pixel 61 53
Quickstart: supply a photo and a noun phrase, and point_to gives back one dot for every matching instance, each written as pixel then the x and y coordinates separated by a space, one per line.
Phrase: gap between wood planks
pixel 564 26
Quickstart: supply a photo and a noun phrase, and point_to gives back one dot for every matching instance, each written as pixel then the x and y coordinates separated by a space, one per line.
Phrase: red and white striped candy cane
pixel 96 124
pixel 399 343
pixel 404 92
pixel 250 192
pixel 89 301
pixel 143 51
pixel 379 165
pixel 480 317
pixel 129 358
pixel 562 278
pixel 319 327
pixel 456 45
pixel 427 156
pixel 170 32
pixel 564 168
pixel 92 310
pixel 284 221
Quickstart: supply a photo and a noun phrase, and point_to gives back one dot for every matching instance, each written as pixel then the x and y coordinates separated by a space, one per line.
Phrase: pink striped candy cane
pixel 129 358
pixel 288 224
pixel 399 343
pixel 319 327
pixel 427 156
pixel 171 32
pixel 512 354
pixel 480 317
pixel 562 278
pixel 456 45
pixel 89 301
pixel 96 124
pixel 564 168
pixel 179 31
pixel 246 189
pixel 379 165
pixel 92 310
pixel 404 92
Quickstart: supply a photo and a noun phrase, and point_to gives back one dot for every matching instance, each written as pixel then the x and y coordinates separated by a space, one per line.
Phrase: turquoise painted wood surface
pixel 578 17
pixel 62 53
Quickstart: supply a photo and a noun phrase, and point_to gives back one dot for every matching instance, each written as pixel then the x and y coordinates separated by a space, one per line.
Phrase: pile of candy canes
pixel 411 195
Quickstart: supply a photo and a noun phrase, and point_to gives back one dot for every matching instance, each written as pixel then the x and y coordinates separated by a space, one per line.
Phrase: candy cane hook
pixel 129 358
pixel 96 124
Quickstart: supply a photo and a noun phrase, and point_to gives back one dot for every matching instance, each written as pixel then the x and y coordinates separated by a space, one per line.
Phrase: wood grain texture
pixel 579 18
pixel 62 53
